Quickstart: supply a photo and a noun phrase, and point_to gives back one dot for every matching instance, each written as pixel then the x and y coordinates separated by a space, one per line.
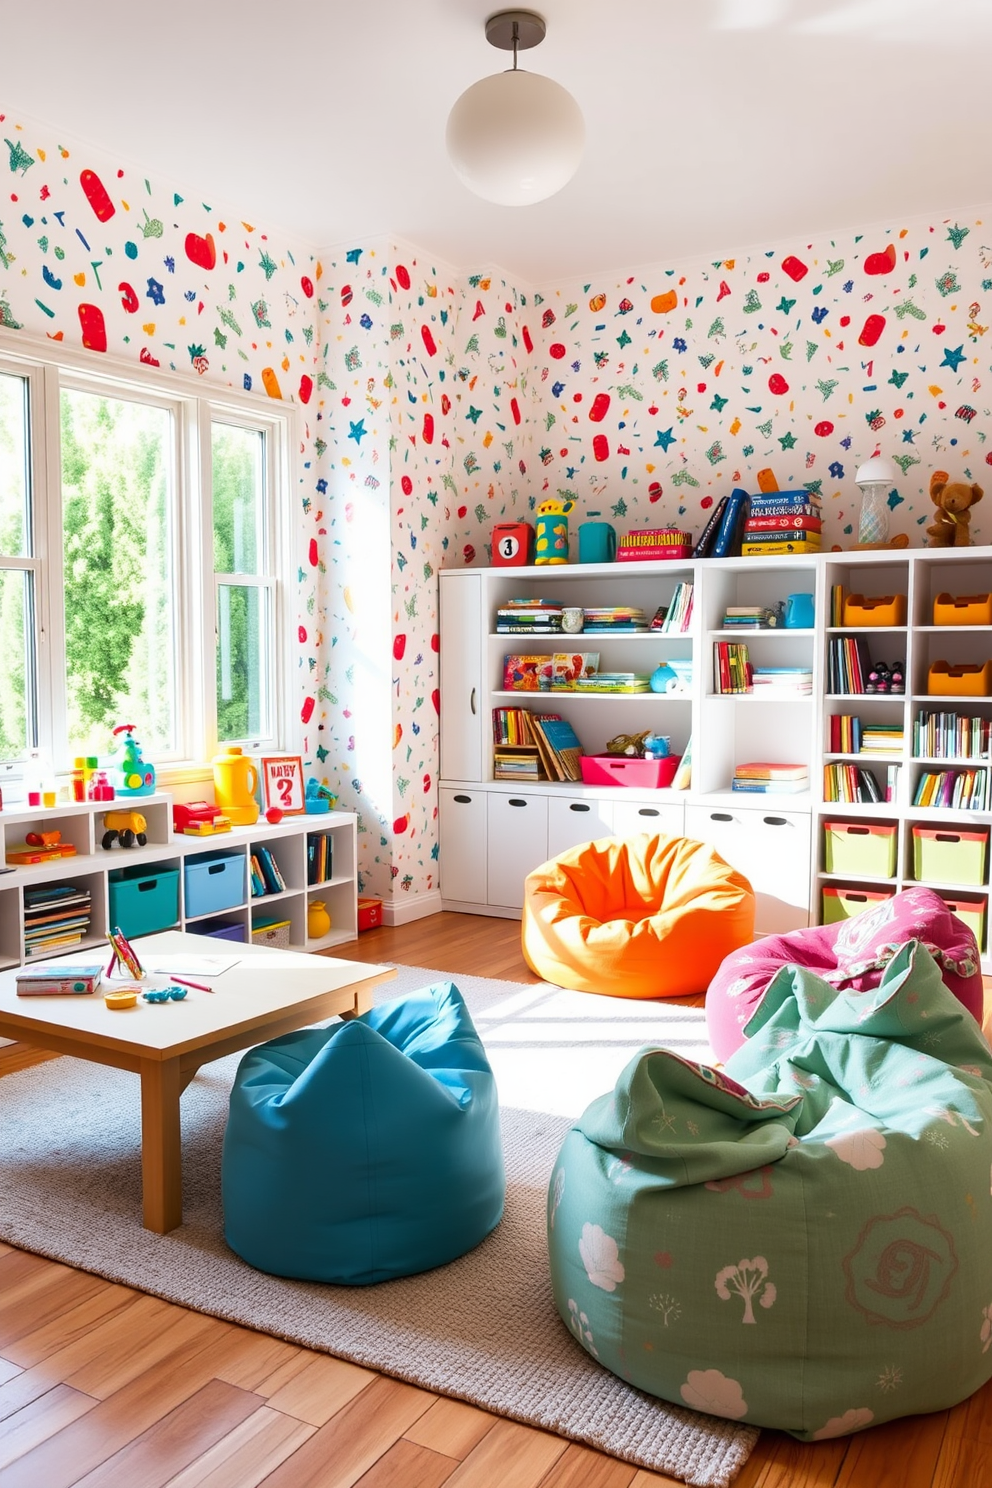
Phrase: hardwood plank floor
pixel 102 1385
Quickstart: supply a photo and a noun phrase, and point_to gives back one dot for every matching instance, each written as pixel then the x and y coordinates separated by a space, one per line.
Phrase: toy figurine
pixel 129 828
pixel 135 777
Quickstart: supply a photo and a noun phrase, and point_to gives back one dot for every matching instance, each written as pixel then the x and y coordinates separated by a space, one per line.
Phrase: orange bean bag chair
pixel 635 917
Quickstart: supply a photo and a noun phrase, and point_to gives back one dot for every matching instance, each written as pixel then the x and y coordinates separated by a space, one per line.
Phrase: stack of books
pixel 621 618
pixel 783 522
pixel 614 682
pixel 677 616
pixel 528 617
pixel 56 917
pixel 749 617
pixel 731 667
pixel 649 544
pixel 782 682
pixel 765 777
pixel 881 738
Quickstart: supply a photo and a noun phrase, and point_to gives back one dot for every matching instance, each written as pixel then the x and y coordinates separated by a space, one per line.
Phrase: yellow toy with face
pixel 551 530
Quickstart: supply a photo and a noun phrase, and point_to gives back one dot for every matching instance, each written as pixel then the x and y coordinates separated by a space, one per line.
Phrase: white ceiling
pixel 712 125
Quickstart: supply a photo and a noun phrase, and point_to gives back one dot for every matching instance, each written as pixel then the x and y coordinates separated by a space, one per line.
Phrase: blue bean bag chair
pixel 802 1240
pixel 367 1150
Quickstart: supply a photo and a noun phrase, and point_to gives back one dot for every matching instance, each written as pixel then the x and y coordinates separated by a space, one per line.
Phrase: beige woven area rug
pixel 483 1329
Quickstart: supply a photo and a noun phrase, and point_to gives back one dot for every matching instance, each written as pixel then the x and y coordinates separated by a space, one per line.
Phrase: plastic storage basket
pixel 142 901
pixel 866 849
pixel 945 855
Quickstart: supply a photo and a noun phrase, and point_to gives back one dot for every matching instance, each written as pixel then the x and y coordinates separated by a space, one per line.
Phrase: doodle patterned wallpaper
pixel 435 403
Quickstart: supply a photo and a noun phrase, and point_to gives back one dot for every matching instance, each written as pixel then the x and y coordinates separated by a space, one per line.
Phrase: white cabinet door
pixel 463 630
pixel 518 842
pixel 632 817
pixel 771 849
pixel 463 845
pixel 572 821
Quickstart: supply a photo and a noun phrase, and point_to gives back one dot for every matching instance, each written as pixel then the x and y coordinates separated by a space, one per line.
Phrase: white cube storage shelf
pixel 489 844
pixel 199 906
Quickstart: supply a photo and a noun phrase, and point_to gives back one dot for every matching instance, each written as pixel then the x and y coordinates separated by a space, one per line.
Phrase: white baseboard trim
pixel 405 911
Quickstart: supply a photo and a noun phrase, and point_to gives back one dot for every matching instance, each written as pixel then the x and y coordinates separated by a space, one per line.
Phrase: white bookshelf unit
pixel 494 831
pixel 81 824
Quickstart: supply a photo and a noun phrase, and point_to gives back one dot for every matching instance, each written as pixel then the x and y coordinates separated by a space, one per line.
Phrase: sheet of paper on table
pixel 182 963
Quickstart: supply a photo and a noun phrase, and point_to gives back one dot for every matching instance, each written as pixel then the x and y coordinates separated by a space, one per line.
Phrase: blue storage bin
pixel 213 882
pixel 142 900
pixel 223 930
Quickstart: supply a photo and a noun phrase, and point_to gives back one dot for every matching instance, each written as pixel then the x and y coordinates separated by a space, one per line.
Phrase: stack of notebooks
pixel 676 616
pixel 56 917
pixel 613 682
pixel 620 618
pixel 881 738
pixel 782 522
pixel 528 617
pixel 265 875
pixel 782 682
pixel 749 617
pixel 764 777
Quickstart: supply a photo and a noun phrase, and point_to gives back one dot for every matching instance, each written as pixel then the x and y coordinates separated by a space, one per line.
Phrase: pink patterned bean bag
pixel 850 954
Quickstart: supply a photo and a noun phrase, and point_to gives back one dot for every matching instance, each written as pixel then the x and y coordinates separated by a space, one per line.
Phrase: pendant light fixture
pixel 515 137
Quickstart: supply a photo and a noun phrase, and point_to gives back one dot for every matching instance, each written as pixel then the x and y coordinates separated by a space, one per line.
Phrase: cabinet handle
pixel 775 821
pixel 471 702
pixel 648 811
pixel 463 800
pixel 578 806
pixel 720 816
pixel 514 801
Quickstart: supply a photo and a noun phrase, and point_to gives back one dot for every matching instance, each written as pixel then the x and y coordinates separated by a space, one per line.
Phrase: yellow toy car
pixel 127 827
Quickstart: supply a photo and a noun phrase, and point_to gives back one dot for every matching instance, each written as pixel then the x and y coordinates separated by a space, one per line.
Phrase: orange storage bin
pixel 962 609
pixel 971 912
pixel 967 679
pixel 870 609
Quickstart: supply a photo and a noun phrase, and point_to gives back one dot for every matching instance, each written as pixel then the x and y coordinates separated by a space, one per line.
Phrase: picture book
pixel 526 673
pixel 568 667
pixel 57 981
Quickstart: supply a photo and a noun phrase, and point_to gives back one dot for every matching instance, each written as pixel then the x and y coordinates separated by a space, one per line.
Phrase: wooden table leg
pixel 161 1151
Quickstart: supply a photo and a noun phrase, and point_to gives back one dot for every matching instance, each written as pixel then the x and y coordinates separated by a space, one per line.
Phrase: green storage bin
pixel 971 911
pixel 844 904
pixel 863 849
pixel 945 855
pixel 143 900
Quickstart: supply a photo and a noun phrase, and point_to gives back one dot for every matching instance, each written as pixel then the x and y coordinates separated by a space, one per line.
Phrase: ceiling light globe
pixel 515 137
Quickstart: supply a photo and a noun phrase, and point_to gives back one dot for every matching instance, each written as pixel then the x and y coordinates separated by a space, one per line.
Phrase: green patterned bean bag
pixel 805 1240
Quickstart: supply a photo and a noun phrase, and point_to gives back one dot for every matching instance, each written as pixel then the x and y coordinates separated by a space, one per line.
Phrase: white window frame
pixel 194 407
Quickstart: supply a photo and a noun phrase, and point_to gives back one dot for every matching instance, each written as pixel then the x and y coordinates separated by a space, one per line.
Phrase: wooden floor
pixel 104 1386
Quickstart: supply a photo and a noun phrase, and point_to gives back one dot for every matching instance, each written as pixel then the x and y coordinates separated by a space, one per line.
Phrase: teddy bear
pixel 953 500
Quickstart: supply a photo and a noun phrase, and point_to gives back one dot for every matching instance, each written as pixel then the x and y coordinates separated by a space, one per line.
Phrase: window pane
pixel 243 627
pixel 17 726
pixel 15 528
pixel 120 604
pixel 238 499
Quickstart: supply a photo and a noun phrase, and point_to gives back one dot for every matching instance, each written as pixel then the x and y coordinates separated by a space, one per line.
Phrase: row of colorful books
pixel 553 744
pixel 676 616
pixel 731 667
pixel 264 873
pixel 961 790
pixel 849 664
pixel 320 857
pixel 952 736
pixel 856 783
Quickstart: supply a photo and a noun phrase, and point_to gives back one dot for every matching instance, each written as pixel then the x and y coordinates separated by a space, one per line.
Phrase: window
pixel 140 555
